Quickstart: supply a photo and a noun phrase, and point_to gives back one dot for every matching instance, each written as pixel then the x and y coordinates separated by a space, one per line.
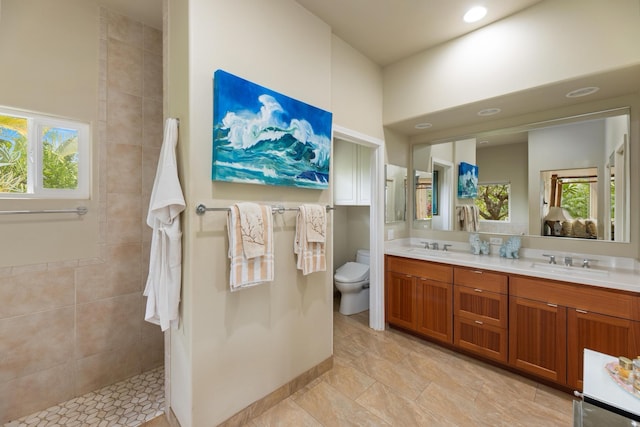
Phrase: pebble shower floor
pixel 130 403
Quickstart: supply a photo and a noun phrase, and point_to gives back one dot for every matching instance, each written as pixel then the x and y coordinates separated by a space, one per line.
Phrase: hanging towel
pixel 165 260
pixel 310 254
pixel 254 226
pixel 468 217
pixel 246 272
pixel 315 222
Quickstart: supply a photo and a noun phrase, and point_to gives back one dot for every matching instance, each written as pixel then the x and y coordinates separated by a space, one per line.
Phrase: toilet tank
pixel 362 256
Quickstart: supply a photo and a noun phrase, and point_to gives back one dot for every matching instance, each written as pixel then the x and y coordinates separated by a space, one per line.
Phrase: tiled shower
pixel 73 327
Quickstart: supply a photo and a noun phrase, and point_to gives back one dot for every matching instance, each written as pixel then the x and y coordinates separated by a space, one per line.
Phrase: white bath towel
pixel 310 255
pixel 246 272
pixel 165 260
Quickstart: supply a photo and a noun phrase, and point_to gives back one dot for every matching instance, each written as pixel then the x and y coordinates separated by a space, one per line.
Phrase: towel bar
pixel 81 210
pixel 201 209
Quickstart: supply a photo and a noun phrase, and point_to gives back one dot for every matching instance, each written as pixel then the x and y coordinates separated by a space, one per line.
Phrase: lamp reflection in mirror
pixel 553 221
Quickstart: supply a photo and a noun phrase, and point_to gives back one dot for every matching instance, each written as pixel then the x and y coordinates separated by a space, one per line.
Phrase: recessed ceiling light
pixel 489 111
pixel 423 125
pixel 475 14
pixel 583 91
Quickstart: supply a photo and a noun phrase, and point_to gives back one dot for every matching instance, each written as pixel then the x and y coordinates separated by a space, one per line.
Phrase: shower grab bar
pixel 81 210
pixel 201 209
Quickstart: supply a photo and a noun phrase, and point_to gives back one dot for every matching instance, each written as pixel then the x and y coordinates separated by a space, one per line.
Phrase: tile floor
pixel 129 403
pixel 379 379
pixel 393 379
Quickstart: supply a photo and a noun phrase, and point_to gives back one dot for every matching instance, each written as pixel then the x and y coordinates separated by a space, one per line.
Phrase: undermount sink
pixel 429 252
pixel 569 270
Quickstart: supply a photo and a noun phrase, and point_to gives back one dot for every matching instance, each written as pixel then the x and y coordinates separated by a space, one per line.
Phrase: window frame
pixel 36 122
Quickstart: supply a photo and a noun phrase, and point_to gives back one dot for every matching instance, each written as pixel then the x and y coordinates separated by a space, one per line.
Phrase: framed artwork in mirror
pixel 467 181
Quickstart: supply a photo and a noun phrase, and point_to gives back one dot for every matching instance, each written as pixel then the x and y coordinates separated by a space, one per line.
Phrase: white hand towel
pixel 253 226
pixel 316 222
pixel 165 263
pixel 310 255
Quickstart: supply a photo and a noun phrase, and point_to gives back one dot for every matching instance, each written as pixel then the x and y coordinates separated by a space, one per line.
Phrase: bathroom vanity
pixel 525 315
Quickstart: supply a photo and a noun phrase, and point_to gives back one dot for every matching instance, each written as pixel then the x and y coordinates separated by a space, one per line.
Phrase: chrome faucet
pixel 552 258
pixel 445 246
pixel 426 245
pixel 435 246
pixel 568 261
pixel 586 263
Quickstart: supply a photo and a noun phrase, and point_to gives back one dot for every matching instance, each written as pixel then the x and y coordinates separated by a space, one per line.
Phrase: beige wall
pixel 548 42
pixel 69 327
pixel 356 90
pixel 240 346
pixel 50 70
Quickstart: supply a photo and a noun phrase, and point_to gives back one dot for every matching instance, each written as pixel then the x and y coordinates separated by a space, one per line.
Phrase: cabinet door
pixel 364 176
pixel 345 172
pixel 481 338
pixel 434 312
pixel 599 332
pixel 400 300
pixel 538 338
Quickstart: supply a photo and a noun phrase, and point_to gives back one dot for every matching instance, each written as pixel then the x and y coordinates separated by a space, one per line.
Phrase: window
pixel 43 156
pixel 493 201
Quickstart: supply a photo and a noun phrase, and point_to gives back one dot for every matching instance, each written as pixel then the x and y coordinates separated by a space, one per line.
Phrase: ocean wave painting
pixel 263 137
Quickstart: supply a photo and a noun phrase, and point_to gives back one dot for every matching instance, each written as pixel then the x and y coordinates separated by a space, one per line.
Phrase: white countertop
pixel 607 272
pixel 599 385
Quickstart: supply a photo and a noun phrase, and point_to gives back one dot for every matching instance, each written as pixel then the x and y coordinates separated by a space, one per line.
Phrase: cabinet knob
pixel 479 322
pixel 477 271
pixel 582 311
pixel 552 305
pixel 477 290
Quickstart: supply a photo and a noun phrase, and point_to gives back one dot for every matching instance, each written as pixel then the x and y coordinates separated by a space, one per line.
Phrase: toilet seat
pixel 352 272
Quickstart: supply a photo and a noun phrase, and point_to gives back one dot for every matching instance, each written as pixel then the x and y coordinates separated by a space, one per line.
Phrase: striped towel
pixel 244 271
pixel 310 254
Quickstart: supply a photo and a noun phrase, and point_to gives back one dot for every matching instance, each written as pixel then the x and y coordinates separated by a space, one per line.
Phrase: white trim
pixel 376 212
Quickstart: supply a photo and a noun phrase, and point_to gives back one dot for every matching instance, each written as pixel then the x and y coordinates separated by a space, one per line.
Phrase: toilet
pixel 352 280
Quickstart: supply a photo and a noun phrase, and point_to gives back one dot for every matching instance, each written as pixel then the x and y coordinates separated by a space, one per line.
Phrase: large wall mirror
pixel 565 178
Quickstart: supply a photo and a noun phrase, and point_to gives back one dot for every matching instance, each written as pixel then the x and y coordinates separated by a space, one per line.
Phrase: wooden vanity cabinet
pixel 551 323
pixel 419 297
pixel 480 312
pixel 535 325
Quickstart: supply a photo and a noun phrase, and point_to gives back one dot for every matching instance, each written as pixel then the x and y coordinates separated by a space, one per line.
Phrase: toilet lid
pixel 352 272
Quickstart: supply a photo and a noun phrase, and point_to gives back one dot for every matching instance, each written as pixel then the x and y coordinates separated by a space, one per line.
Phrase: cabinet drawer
pixel 477 304
pixel 584 297
pixel 424 269
pixel 481 279
pixel 485 340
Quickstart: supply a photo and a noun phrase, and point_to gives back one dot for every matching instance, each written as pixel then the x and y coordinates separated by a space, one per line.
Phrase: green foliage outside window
pixel 13 154
pixel 59 156
pixel 576 198
pixel 493 201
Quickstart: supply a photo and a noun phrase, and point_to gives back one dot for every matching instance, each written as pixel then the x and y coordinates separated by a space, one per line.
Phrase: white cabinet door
pixel 352 175
pixel 363 196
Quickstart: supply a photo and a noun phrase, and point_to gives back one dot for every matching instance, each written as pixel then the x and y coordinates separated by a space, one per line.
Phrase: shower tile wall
pixel 73 327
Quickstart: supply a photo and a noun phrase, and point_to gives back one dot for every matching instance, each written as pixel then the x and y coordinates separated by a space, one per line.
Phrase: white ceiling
pixel 388 30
